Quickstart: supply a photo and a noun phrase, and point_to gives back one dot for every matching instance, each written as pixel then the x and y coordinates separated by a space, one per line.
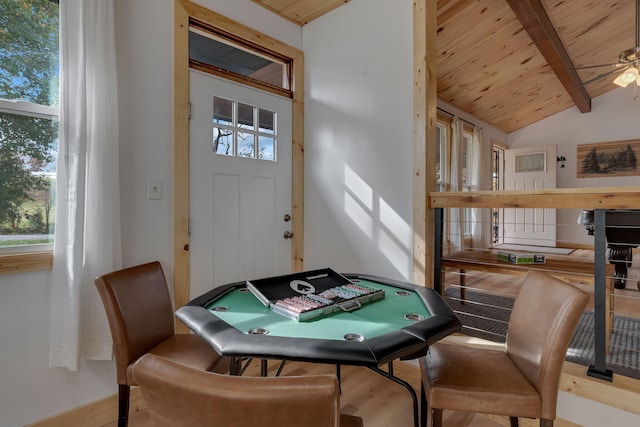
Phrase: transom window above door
pixel 243 130
pixel 215 52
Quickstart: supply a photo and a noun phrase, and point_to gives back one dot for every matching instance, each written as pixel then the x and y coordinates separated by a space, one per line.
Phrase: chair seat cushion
pixel 189 350
pixel 477 380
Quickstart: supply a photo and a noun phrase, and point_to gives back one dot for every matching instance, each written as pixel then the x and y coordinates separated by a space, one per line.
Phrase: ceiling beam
pixel 536 22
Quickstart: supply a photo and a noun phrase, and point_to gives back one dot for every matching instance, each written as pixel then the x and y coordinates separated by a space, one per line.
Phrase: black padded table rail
pixel 406 343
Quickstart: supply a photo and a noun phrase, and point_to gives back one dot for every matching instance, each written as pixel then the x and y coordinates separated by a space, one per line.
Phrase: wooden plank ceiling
pixel 511 62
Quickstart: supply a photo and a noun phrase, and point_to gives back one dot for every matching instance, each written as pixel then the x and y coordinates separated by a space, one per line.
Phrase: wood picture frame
pixel 608 159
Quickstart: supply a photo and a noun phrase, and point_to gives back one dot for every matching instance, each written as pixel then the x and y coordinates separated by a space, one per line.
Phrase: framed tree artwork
pixel 608 159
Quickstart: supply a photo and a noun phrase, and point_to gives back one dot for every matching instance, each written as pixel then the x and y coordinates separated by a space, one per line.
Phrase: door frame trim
pixel 184 10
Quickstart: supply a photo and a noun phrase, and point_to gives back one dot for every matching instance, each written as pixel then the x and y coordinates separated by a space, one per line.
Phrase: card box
pixel 521 258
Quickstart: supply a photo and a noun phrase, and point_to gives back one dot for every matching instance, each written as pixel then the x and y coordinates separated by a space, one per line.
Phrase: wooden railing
pixel 562 198
pixel 597 199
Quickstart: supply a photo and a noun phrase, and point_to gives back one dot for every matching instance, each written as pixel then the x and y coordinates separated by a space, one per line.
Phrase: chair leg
pixel 437 417
pixel 546 423
pixel 123 405
pixel 513 421
pixel 423 406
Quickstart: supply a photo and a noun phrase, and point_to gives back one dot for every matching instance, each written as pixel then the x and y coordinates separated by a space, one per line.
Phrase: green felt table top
pixel 373 319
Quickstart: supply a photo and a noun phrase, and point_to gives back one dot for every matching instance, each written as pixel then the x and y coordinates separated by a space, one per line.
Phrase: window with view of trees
pixel 29 71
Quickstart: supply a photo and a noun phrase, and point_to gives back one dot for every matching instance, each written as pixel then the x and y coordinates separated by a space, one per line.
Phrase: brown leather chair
pixel 521 381
pixel 141 319
pixel 180 396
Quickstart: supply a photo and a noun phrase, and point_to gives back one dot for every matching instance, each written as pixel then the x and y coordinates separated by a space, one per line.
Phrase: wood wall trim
pixel 184 10
pixel 424 136
pixel 297 168
pixel 217 20
pixel 622 393
pixel 419 138
pixel 181 287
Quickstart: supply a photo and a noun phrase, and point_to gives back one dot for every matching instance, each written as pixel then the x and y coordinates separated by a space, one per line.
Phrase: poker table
pixel 401 325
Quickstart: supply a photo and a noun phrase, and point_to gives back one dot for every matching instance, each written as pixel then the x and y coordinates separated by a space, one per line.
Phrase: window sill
pixel 24 262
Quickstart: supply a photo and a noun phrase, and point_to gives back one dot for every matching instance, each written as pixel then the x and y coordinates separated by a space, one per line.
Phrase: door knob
pixel 288 234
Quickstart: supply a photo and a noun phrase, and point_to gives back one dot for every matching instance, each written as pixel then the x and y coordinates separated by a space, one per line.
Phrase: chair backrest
pixel 180 396
pixel 543 320
pixel 139 310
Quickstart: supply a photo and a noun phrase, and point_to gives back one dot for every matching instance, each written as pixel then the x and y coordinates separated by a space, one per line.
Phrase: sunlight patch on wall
pixel 360 189
pixel 360 216
pixel 378 221
pixel 394 239
pixel 395 224
pixel 392 250
pixel 358 201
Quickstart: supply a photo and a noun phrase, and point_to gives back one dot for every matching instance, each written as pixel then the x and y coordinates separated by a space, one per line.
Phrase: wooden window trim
pixel 26 262
pixel 443 118
pixel 196 65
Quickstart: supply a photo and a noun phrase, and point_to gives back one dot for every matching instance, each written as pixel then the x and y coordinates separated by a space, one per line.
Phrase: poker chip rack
pixel 311 294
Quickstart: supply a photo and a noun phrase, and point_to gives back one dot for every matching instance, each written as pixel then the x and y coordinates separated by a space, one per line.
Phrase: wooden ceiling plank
pixel 277 6
pixel 300 12
pixel 594 36
pixel 446 13
pixel 536 22
pixel 307 11
pixel 488 67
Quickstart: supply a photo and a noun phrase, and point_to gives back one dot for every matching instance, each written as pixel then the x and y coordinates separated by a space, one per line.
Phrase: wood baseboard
pixel 621 393
pixel 94 414
pixel 526 422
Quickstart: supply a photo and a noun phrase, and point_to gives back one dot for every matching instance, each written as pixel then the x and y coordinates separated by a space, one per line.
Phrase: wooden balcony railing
pixel 561 198
pixel 597 199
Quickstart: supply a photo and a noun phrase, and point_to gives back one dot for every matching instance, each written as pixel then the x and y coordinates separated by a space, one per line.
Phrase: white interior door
pixel 530 169
pixel 240 195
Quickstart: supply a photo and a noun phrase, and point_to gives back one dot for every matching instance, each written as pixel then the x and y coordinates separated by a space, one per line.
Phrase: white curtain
pixel 87 233
pixel 456 215
pixel 479 217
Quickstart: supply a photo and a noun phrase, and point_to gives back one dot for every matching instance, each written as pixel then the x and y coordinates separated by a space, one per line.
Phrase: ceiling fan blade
pixel 603 75
pixel 586 67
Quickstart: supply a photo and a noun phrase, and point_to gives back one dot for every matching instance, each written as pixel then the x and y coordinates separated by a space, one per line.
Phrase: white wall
pixel 358 139
pixel 614 116
pixel 30 390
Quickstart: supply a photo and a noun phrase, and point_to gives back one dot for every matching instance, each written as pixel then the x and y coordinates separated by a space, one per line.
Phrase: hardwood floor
pixel 380 402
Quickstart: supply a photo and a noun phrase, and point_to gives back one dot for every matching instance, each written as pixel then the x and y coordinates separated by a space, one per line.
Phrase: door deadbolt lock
pixel 287 218
pixel 288 234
